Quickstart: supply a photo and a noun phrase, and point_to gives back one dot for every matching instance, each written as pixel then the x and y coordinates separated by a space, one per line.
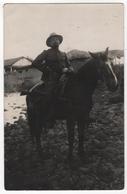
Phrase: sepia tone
pixel 82 146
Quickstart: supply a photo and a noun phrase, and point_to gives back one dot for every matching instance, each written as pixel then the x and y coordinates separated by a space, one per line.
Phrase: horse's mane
pixel 85 75
pixel 78 64
pixel 83 68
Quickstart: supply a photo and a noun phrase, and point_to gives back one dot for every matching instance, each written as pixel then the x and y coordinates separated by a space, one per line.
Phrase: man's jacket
pixel 51 62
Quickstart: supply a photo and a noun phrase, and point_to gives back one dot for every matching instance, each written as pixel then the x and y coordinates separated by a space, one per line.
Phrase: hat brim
pixel 49 38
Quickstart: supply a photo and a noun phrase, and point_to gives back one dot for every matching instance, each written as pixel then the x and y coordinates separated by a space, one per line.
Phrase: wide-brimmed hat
pixel 54 35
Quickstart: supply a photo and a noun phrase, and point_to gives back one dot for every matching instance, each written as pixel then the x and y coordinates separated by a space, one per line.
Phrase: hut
pixel 17 63
pixel 18 74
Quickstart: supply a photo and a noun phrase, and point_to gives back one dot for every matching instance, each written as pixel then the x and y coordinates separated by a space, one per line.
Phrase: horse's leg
pixel 38 130
pixel 35 128
pixel 30 116
pixel 81 126
pixel 34 120
pixel 70 128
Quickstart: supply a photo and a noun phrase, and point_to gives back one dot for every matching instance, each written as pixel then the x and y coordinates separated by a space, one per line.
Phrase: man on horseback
pixel 55 67
pixel 52 62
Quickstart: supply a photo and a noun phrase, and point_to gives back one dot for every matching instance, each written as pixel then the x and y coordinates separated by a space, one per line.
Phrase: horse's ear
pixel 94 55
pixel 106 51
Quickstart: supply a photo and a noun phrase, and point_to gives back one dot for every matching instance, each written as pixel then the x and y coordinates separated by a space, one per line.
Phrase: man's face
pixel 54 42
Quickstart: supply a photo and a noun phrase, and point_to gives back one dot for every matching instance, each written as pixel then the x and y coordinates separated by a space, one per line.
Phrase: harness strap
pixel 38 84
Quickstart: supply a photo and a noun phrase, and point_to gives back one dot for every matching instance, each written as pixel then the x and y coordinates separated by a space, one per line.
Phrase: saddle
pixel 42 90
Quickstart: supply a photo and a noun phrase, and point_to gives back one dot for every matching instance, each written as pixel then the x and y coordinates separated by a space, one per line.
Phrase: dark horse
pixel 77 99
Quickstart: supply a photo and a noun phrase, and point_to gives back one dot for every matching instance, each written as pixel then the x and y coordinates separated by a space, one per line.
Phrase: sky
pixel 88 27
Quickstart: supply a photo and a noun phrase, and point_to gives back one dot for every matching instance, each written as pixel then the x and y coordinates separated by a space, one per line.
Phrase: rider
pixel 53 63
pixel 55 67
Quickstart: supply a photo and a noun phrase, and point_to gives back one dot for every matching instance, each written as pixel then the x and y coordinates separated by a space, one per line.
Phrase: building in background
pixel 19 75
pixel 119 60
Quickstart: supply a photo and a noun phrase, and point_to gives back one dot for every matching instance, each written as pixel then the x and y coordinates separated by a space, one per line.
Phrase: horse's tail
pixel 30 115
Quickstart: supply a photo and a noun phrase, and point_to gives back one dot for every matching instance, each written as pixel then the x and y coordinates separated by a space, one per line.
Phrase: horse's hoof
pixel 84 157
pixel 39 150
pixel 81 154
pixel 71 164
pixel 70 158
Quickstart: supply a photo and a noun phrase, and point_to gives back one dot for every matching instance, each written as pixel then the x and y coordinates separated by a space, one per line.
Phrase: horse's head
pixel 105 70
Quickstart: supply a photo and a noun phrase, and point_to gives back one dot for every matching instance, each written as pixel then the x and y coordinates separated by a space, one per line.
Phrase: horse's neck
pixel 89 68
pixel 84 82
pixel 87 75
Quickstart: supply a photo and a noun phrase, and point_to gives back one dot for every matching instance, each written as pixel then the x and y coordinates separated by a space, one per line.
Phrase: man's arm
pixel 68 64
pixel 39 61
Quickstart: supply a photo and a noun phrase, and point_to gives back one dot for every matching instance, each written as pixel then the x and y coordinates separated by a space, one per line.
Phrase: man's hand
pixel 65 70
pixel 68 70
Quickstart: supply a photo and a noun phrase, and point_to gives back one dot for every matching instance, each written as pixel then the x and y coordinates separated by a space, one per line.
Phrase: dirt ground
pixel 14 107
pixel 103 168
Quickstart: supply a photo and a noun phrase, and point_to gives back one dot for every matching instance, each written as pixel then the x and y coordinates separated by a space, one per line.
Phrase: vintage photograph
pixel 64 96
